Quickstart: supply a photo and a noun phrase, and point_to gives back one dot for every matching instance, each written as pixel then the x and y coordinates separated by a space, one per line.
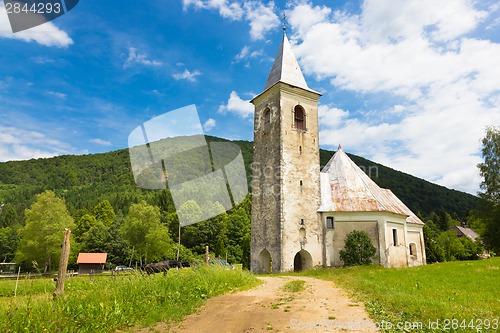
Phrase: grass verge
pixel 460 296
pixel 107 304
pixel 294 286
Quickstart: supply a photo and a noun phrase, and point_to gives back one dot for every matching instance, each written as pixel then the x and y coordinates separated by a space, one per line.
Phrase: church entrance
pixel 302 260
pixel 265 261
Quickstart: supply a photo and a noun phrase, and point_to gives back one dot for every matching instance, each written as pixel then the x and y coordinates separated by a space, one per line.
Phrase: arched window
pixel 267 118
pixel 299 117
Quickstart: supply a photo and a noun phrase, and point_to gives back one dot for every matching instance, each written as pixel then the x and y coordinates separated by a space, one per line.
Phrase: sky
pixel 409 84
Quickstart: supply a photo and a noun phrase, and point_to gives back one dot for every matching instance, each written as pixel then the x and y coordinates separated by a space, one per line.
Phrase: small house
pixel 91 262
pixel 467 232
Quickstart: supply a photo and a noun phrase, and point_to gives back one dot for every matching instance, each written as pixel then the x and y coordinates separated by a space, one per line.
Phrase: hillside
pixel 83 180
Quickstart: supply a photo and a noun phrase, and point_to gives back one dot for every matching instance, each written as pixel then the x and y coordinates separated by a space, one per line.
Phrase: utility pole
pixel 63 264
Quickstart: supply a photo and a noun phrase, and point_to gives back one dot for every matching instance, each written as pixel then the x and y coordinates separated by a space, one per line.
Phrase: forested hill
pixel 83 180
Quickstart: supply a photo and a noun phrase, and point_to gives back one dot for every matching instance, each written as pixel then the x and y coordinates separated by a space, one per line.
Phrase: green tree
pixel 41 237
pixel 490 173
pixel 83 225
pixel 104 212
pixel 96 238
pixel 434 251
pixel 358 249
pixel 142 230
pixel 8 244
pixel 8 216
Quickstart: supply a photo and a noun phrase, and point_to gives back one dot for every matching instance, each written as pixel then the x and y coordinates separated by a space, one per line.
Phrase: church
pixel 301 214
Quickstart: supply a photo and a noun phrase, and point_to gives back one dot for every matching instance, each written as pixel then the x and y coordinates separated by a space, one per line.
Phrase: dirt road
pixel 321 307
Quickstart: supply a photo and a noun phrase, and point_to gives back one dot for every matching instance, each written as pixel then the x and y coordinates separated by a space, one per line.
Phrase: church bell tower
pixel 286 231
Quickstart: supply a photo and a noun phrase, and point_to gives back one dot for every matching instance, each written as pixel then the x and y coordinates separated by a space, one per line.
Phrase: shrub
pixel 358 249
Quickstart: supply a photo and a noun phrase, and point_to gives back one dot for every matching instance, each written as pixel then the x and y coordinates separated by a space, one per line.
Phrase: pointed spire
pixel 286 68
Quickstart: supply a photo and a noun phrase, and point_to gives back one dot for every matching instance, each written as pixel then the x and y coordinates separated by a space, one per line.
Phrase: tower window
pixel 329 222
pixel 395 237
pixel 299 117
pixel 300 150
pixel 267 118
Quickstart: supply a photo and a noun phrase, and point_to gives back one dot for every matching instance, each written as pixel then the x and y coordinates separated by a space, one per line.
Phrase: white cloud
pixel 227 9
pixel 19 144
pixel 187 75
pixel 57 94
pixel 247 53
pixel 236 105
pixel 101 142
pixel 137 58
pixel 209 125
pixel 424 58
pixel 261 18
pixel 46 34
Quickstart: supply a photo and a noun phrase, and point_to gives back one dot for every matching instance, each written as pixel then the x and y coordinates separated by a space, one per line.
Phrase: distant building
pixel 91 262
pixel 301 215
pixel 467 232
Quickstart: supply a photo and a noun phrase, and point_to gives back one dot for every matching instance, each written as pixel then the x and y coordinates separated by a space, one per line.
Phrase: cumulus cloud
pixel 424 58
pixel 227 9
pixel 260 16
pixel 209 125
pixel 187 75
pixel 135 58
pixel 237 105
pixel 46 34
pixel 19 144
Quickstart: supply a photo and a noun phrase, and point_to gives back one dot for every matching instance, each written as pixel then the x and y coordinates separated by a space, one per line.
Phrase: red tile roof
pixel 91 258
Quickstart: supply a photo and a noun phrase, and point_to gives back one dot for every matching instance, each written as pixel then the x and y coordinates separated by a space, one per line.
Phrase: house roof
pixel 347 188
pixel 286 68
pixel 91 258
pixel 471 234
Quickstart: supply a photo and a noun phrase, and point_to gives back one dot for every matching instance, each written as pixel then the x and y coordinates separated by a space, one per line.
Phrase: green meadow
pixel 460 296
pixel 107 304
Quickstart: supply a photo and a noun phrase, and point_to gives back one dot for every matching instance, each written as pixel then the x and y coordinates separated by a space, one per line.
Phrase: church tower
pixel 286 231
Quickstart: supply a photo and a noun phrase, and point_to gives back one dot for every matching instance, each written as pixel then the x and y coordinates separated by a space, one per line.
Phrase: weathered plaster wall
pixel 285 182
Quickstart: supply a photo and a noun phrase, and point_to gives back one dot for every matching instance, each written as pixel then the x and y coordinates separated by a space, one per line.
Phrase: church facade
pixel 301 214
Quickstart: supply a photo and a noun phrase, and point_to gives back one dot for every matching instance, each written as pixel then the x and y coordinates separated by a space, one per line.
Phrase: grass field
pixel 107 304
pixel 459 296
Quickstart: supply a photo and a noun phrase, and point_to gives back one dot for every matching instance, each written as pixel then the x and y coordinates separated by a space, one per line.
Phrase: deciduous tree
pixel 490 185
pixel 41 237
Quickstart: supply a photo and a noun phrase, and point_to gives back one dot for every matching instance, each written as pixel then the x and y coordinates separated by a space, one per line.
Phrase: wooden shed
pixel 91 261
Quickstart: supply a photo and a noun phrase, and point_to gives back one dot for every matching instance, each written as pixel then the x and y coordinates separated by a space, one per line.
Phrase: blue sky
pixel 410 84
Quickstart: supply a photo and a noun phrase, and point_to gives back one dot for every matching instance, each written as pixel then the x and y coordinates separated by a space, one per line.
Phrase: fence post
pixel 17 280
pixel 63 264
pixel 207 255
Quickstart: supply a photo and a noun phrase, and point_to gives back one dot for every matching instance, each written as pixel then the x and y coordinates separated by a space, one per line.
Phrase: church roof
pixel 347 188
pixel 286 68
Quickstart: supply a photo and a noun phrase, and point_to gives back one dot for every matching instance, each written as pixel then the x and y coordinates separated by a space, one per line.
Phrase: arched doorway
pixel 265 261
pixel 302 260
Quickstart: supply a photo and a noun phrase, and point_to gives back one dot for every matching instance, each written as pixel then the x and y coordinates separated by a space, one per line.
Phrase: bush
pixel 358 249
